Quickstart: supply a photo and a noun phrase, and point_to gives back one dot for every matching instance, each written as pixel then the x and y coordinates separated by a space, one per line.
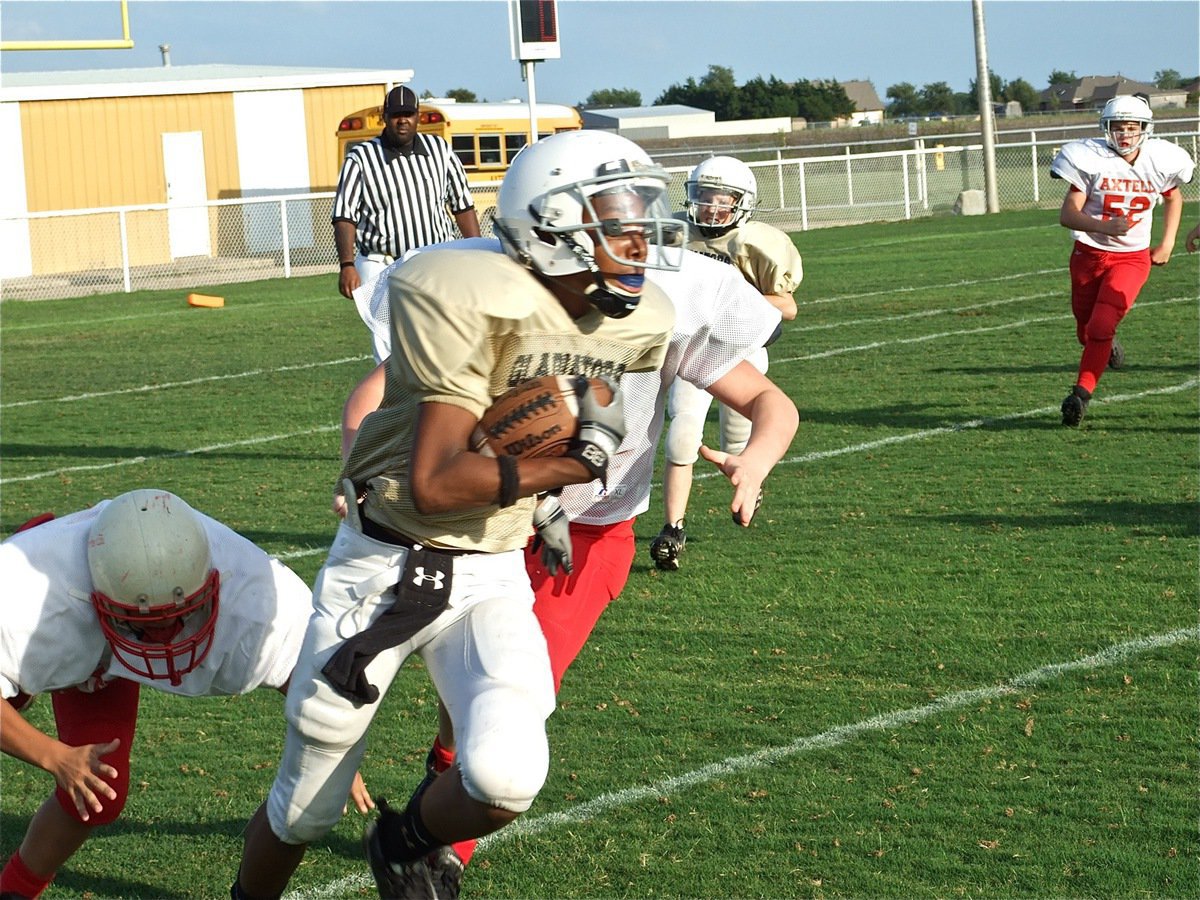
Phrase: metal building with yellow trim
pixel 176 135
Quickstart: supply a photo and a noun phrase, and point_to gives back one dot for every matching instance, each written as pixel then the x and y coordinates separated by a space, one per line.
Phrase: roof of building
pixel 862 94
pixel 1092 90
pixel 647 112
pixel 198 79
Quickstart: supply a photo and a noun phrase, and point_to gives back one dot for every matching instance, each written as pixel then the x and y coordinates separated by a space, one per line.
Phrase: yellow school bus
pixel 484 136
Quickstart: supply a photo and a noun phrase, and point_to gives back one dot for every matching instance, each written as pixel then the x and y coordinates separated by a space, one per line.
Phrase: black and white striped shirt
pixel 398 201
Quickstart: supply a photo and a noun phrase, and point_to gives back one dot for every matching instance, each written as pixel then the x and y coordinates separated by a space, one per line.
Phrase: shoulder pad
pixel 473 281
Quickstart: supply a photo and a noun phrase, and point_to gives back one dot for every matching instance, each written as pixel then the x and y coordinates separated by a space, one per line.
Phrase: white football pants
pixel 485 654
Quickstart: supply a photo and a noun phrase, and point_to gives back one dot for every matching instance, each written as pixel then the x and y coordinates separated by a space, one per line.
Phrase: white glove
pixel 601 430
pixel 553 535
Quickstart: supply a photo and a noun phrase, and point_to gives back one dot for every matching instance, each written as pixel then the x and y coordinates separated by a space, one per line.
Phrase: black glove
pixel 553 538
pixel 601 430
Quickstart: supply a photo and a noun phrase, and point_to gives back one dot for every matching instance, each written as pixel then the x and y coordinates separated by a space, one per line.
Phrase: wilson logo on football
pixel 531 441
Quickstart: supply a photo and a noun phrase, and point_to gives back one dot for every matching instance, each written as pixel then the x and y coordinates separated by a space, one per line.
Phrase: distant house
pixel 675 121
pixel 1093 91
pixel 868 108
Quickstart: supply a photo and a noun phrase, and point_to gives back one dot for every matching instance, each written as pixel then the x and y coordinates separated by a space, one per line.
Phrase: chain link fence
pixel 75 253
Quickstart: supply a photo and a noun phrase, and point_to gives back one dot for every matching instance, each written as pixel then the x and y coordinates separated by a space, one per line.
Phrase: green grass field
pixel 955 656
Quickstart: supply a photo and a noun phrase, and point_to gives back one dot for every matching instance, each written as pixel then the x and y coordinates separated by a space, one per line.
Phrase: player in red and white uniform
pixel 577 571
pixel 429 557
pixel 1115 182
pixel 137 590
pixel 721 197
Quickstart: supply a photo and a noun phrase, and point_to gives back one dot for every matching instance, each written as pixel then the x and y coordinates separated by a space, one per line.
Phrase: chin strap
pixel 609 299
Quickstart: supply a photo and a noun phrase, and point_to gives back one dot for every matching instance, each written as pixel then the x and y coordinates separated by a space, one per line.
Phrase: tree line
pixel 826 100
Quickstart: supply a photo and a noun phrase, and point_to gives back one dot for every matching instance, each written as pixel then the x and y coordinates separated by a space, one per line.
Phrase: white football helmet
pixel 720 175
pixel 153 583
pixel 548 193
pixel 1126 108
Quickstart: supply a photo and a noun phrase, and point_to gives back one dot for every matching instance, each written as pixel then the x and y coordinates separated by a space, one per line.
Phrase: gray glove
pixel 553 538
pixel 601 430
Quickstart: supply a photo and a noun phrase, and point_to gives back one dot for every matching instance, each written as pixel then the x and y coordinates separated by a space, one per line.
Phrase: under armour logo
pixel 420 577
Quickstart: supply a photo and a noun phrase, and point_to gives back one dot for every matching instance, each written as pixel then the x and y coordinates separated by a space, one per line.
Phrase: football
pixel 535 418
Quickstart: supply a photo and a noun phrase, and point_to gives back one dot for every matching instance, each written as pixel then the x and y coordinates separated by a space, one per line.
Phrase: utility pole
pixel 983 93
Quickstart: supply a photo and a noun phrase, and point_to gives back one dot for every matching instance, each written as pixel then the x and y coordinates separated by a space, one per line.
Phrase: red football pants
pixel 97 718
pixel 568 606
pixel 1104 286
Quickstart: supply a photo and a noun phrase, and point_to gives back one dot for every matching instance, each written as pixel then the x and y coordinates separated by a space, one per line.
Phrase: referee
pixel 393 194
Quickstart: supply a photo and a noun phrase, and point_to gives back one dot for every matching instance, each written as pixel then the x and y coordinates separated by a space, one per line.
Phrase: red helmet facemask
pixel 145 639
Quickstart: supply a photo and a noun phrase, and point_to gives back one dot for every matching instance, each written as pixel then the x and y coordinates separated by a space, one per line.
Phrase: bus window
pixel 489 150
pixel 512 144
pixel 463 146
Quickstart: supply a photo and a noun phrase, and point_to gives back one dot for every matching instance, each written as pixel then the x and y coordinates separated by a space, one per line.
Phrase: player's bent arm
pixel 785 303
pixel 1071 215
pixel 77 770
pixel 774 420
pixel 1172 214
pixel 772 413
pixel 445 475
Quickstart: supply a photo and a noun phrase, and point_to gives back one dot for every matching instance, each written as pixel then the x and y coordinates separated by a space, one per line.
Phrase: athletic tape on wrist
pixel 510 480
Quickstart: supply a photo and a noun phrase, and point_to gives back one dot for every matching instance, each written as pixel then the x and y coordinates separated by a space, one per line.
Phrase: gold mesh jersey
pixel 466 326
pixel 765 255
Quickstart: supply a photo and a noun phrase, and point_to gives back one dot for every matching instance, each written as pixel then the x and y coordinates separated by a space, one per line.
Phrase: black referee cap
pixel 401 100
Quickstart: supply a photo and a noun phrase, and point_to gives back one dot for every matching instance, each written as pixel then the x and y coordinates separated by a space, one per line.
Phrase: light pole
pixel 983 92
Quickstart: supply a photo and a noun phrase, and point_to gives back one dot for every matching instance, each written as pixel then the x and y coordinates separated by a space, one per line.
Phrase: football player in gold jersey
pixel 429 557
pixel 721 197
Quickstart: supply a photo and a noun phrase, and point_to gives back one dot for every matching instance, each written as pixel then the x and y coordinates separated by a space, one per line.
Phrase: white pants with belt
pixel 485 654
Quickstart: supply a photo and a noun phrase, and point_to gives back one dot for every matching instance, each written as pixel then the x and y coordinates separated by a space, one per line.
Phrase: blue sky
pixel 646 45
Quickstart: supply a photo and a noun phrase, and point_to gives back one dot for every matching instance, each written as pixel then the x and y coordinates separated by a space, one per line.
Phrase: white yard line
pixel 179 454
pixel 191 382
pixel 337 362
pixel 773 756
pixel 868 446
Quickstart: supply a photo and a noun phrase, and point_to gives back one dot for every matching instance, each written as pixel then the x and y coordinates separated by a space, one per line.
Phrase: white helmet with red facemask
pixel 153 583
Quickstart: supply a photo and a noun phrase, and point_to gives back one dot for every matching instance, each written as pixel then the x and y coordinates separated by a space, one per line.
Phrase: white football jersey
pixel 1114 187
pixel 50 636
pixel 719 320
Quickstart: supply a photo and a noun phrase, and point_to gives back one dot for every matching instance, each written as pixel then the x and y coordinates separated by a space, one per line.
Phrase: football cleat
pixel 1116 359
pixel 435 876
pixel 667 546
pixel 447 870
pixel 1074 406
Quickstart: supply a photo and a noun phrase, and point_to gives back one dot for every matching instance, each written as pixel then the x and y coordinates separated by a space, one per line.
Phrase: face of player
pixel 619 245
pixel 1126 135
pixel 400 128
pixel 714 207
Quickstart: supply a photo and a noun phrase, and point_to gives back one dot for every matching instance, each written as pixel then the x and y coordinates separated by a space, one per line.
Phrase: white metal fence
pixel 74 253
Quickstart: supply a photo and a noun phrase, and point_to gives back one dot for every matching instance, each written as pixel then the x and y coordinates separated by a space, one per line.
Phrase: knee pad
pixel 684 437
pixel 311 787
pixel 505 762
pixel 735 430
pixel 688 407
